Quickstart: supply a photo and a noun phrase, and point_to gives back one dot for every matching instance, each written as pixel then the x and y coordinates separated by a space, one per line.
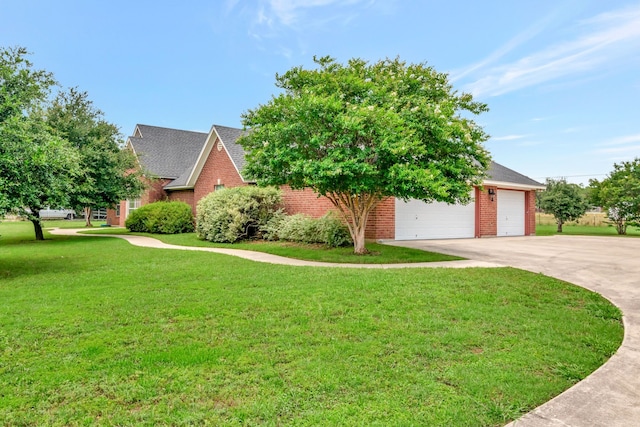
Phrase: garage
pixel 511 213
pixel 416 219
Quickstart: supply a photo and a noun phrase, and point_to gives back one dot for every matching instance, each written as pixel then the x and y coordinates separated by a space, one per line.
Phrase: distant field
pixel 595 219
pixel 593 223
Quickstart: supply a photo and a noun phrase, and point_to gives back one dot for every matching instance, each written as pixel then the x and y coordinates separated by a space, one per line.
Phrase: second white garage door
pixel 416 219
pixel 510 213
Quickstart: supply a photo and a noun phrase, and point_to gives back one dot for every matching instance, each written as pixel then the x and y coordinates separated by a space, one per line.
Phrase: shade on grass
pixel 96 331
pixel 378 253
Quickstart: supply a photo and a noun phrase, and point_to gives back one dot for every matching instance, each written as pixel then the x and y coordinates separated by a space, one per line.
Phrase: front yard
pixel 94 331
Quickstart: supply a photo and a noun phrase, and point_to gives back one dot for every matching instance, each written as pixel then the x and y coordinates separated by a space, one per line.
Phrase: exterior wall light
pixel 492 193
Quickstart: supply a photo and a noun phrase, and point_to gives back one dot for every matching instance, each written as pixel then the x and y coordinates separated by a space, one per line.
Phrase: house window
pixel 132 205
pixel 118 209
pixel 218 187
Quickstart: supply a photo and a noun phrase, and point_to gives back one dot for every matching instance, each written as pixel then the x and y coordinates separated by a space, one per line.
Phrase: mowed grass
pixel 94 331
pixel 378 253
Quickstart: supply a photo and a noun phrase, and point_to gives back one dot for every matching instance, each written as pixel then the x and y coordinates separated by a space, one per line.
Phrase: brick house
pixel 189 165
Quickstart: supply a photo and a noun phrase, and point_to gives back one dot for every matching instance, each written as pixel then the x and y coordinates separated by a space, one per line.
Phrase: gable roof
pixel 166 153
pixel 502 176
pixel 229 136
pixel 180 156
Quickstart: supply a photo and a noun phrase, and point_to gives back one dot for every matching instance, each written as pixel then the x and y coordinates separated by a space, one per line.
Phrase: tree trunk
pixel 358 238
pixel 37 227
pixel 87 216
pixel 559 226
pixel 621 227
pixel 355 210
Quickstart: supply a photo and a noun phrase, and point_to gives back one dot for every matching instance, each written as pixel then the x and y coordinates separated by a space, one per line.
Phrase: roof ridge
pixel 173 129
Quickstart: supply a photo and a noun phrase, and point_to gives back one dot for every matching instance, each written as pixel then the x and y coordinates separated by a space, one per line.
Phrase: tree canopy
pixel 619 194
pixel 565 201
pixel 108 173
pixel 56 154
pixel 360 132
pixel 37 168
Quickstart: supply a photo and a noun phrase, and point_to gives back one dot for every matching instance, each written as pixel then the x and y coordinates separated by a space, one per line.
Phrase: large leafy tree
pixel 108 173
pixel 361 132
pixel 37 167
pixel 619 194
pixel 565 201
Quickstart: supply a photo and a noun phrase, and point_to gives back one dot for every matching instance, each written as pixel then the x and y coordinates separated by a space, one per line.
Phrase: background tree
pixel 565 201
pixel 36 167
pixel 108 173
pixel 619 194
pixel 360 132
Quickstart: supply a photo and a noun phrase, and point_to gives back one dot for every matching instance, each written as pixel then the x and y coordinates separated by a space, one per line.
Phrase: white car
pixel 57 214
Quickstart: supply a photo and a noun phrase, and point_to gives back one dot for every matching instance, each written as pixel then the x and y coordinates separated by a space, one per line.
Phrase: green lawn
pixel 379 254
pixel 585 230
pixel 94 331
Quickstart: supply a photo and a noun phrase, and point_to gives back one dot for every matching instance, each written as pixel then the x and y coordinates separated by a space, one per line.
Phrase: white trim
pixel 229 155
pixel 512 186
pixel 202 159
pixel 204 156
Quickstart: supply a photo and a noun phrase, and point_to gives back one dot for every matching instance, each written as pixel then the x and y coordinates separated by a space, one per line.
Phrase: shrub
pixel 232 214
pixel 161 218
pixel 302 228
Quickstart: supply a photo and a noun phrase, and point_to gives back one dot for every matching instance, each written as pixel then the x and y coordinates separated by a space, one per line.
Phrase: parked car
pixel 57 214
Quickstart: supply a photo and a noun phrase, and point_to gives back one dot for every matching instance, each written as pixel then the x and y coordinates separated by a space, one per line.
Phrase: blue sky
pixel 561 77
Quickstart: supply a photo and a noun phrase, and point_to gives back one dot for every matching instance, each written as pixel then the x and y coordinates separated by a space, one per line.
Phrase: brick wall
pixel 185 196
pixel 305 201
pixel 530 213
pixel 217 170
pixel 382 221
pixel 154 193
pixel 486 212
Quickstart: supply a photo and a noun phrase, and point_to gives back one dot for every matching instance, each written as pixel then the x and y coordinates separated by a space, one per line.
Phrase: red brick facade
pixel 219 170
pixel 530 213
pixel 305 201
pixel 382 221
pixel 154 193
pixel 486 211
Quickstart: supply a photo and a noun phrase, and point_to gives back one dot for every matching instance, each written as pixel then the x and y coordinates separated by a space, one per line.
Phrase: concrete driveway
pixel 608 265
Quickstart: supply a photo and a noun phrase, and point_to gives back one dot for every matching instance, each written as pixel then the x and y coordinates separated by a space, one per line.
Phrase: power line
pixel 571 176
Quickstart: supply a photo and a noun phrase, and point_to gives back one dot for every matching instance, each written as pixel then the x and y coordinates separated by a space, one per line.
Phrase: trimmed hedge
pixel 161 218
pixel 232 214
pixel 303 228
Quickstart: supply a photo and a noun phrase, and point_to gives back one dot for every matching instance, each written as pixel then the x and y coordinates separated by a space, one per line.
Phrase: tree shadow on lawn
pixel 21 257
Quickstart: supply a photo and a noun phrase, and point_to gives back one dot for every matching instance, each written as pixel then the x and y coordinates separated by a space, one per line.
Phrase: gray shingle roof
pixel 168 153
pixel 497 172
pixel 229 136
pixel 173 153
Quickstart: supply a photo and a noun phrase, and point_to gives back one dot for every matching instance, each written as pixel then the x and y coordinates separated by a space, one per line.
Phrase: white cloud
pixel 629 139
pixel 508 137
pixel 626 149
pixel 516 41
pixel 299 14
pixel 608 37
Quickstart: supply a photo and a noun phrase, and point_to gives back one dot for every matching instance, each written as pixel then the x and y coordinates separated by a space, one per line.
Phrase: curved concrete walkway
pixel 149 242
pixel 609 397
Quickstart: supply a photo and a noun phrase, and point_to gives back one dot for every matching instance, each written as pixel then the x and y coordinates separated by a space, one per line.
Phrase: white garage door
pixel 416 219
pixel 510 213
